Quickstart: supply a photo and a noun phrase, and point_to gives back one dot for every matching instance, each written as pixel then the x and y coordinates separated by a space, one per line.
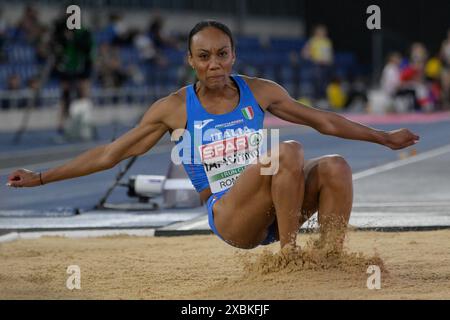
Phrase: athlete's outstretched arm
pixel 135 142
pixel 277 101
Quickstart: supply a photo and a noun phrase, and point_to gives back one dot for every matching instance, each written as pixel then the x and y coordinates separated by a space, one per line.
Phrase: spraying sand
pixel 414 265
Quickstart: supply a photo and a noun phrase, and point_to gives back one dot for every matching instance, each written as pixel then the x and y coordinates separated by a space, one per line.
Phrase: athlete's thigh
pixel 244 213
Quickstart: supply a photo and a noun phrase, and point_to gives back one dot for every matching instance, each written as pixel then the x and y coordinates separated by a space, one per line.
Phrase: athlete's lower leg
pixel 287 191
pixel 335 202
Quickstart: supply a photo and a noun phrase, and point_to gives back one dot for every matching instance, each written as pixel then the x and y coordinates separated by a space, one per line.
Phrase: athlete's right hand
pixel 23 178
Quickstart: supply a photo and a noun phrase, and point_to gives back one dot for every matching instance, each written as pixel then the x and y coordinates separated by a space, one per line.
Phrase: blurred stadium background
pixel 138 49
pixel 130 53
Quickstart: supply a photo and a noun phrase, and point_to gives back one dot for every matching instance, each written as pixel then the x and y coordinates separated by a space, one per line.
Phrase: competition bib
pixel 224 160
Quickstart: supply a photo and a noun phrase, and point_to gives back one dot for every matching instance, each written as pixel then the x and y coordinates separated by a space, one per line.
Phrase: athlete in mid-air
pixel 246 208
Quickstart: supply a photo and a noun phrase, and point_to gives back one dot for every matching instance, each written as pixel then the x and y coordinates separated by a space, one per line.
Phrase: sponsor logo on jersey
pixel 226 159
pixel 201 124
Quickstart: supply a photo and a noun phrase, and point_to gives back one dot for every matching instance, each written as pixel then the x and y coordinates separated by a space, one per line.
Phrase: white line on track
pixel 76 234
pixel 425 204
pixel 194 225
pixel 199 223
pixel 9 237
pixel 399 163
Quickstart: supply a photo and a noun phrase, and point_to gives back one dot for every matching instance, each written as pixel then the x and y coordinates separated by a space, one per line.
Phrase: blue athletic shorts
pixel 271 235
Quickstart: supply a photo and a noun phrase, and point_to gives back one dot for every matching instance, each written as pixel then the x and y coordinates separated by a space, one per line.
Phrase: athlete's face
pixel 212 57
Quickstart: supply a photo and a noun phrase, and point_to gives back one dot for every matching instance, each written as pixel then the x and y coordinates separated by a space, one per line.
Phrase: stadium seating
pixel 270 60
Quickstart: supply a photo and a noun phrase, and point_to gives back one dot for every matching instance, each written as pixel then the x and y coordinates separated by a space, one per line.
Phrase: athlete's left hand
pixel 400 138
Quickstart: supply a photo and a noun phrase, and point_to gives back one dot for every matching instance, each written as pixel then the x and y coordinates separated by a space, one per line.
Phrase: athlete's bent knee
pixel 291 148
pixel 335 166
pixel 291 156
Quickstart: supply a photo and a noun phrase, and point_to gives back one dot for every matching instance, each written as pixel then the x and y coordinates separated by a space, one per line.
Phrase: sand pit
pixel 415 265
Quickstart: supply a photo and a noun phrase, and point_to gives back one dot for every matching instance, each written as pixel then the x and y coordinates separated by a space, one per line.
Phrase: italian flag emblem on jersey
pixel 248 113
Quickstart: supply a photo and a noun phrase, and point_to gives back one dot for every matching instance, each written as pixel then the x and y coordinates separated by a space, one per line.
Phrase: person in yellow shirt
pixel 319 50
pixel 433 68
pixel 336 95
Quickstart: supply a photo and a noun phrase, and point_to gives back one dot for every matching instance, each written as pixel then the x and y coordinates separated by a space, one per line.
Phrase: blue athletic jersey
pixel 215 149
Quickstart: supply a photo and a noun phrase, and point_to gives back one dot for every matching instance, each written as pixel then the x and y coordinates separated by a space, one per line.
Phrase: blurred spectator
pixel 16 99
pixel 410 80
pixel 109 68
pixel 160 39
pixel 433 68
pixel 445 76
pixel 319 50
pixel 14 82
pixel 135 74
pixel 146 48
pixel 390 77
pixel 419 55
pixel 414 85
pixel 336 95
pixel 426 90
pixel 3 27
pixel 156 32
pixel 73 63
pixel 357 95
pixel 404 83
pixel 33 85
pixel 119 31
pixel 433 73
pixel 43 46
pixel 29 25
